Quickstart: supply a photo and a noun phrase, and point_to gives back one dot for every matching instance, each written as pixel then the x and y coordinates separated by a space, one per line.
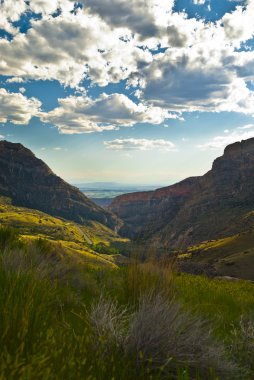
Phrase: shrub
pixel 166 335
pixel 109 322
pixel 161 335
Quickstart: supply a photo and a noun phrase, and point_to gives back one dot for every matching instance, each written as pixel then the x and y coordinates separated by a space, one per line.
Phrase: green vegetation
pixel 231 256
pixel 103 248
pixel 62 318
pixel 33 224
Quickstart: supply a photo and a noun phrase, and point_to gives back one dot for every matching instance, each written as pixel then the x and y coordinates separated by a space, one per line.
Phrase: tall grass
pixel 151 276
pixel 54 327
pixel 9 238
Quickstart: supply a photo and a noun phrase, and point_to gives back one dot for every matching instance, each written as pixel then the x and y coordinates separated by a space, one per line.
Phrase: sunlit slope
pixel 76 239
pixel 232 256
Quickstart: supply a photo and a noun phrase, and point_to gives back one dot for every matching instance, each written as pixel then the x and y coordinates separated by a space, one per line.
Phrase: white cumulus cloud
pixel 10 13
pixel 81 114
pixel 140 144
pixel 70 47
pixel 17 108
pixel 199 2
pixel 172 61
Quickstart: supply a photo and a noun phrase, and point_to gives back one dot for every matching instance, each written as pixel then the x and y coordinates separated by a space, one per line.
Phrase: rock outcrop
pixel 196 209
pixel 145 213
pixel 29 182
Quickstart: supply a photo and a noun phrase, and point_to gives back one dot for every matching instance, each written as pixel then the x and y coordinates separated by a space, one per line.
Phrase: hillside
pixel 145 213
pixel 216 205
pixel 29 182
pixel 232 256
pixel 77 241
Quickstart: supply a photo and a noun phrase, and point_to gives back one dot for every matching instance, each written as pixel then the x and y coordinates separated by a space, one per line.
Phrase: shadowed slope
pixel 29 182
pixel 196 209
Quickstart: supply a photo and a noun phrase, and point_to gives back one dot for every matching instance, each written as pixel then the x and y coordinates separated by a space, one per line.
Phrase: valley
pixel 107 279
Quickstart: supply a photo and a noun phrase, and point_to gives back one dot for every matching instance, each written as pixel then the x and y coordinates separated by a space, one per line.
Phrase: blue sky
pixel 135 91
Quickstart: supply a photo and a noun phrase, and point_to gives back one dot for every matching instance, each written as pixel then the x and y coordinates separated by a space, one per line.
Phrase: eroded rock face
pixel 196 209
pixel 146 213
pixel 29 182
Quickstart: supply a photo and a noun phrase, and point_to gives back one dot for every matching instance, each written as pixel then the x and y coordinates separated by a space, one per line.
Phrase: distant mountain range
pixel 29 182
pixel 102 193
pixel 217 204
pixel 113 186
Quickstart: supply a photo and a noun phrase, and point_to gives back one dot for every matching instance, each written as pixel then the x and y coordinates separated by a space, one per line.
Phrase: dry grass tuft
pixel 109 322
pixel 165 335
pixel 160 334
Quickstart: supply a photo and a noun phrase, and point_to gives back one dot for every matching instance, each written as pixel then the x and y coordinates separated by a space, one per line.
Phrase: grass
pixel 229 306
pixel 231 256
pixel 222 301
pixel 32 224
pixel 63 318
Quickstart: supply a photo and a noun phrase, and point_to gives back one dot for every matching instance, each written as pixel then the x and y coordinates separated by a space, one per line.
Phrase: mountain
pixel 212 206
pixel 232 256
pixel 145 213
pixel 115 186
pixel 30 183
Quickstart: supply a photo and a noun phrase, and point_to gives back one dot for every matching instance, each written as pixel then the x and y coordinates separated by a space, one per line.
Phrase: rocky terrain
pixel 29 182
pixel 215 205
pixel 145 213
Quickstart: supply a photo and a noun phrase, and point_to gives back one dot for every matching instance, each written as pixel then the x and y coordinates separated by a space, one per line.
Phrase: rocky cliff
pixel 29 182
pixel 197 209
pixel 145 213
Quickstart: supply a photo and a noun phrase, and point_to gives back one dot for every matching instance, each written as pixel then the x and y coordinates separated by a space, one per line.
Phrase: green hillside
pixel 232 256
pixel 79 240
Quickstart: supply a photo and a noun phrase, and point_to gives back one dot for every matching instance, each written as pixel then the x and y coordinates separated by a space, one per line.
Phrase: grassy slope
pixel 229 306
pixel 33 224
pixel 231 256
pixel 42 350
pixel 62 345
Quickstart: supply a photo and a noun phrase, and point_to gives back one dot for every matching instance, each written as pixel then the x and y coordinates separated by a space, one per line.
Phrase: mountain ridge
pixel 197 208
pixel 29 182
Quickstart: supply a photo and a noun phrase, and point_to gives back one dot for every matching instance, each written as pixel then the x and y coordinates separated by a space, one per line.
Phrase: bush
pixel 109 322
pixel 159 335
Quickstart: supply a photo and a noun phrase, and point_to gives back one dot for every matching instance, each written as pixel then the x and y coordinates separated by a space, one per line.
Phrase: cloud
pixel 81 114
pixel 47 7
pixel 17 108
pixel 220 142
pixel 69 48
pixel 247 126
pixel 15 80
pixel 10 13
pixel 142 17
pixel 140 144
pixel 171 60
pixel 199 2
pixel 208 76
pixel 238 25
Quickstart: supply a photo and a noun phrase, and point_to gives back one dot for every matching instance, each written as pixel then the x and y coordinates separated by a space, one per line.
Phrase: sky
pixel 131 91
